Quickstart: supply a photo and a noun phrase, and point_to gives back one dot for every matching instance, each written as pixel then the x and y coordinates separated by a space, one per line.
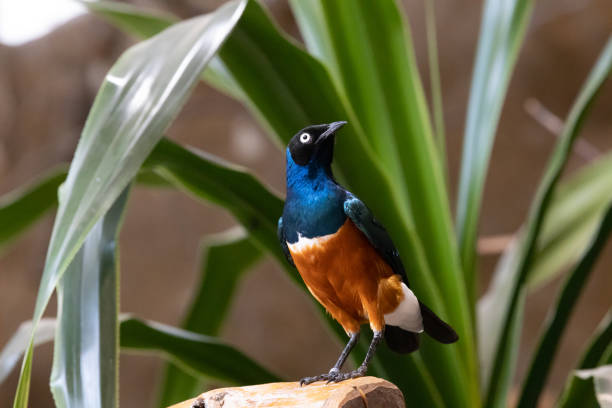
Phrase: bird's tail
pixel 436 327
pixel 400 340
pixel 404 341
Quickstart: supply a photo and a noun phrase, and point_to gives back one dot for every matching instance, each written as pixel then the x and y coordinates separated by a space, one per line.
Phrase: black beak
pixel 331 129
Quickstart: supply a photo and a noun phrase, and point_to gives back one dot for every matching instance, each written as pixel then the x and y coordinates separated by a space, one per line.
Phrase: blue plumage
pixel 314 204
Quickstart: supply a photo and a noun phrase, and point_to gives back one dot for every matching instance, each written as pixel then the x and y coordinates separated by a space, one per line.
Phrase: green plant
pixel 360 66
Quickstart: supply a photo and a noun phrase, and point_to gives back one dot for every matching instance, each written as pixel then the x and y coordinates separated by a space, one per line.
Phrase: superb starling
pixel 346 257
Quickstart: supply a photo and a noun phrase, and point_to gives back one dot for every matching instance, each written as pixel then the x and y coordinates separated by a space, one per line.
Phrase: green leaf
pixel 289 89
pixel 225 259
pixel 368 48
pixel 139 21
pixel 202 356
pixel 575 214
pixel 500 335
pixel 139 98
pixel 434 78
pixel 578 392
pixel 555 326
pixel 232 187
pixel 86 348
pixel 198 354
pixel 19 209
pixel 502 30
pixel 17 344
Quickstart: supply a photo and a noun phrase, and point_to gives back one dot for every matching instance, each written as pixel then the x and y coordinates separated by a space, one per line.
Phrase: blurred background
pixel 52 61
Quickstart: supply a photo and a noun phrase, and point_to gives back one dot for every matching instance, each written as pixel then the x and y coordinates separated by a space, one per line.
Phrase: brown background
pixel 47 86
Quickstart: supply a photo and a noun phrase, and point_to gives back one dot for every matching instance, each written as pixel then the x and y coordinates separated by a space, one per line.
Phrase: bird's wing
pixel 281 237
pixel 378 236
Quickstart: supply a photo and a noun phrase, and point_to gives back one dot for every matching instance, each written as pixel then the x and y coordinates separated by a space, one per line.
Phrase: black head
pixel 314 142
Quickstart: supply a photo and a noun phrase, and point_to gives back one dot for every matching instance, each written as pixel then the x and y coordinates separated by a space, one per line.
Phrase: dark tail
pixel 436 327
pixel 403 341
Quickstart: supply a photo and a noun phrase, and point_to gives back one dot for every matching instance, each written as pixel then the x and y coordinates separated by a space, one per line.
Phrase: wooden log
pixel 365 392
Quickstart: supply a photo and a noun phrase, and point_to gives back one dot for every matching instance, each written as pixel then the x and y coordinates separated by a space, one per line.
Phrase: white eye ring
pixel 305 137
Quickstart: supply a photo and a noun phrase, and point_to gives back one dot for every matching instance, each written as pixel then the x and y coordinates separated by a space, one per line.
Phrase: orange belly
pixel 348 277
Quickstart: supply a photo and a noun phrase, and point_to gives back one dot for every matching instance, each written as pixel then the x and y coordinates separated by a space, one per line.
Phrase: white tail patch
pixel 407 315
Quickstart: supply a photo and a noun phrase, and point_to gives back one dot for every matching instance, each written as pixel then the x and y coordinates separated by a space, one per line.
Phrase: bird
pixel 346 257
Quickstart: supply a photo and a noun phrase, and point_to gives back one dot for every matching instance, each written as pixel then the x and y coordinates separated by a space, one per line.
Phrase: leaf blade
pixel 201 355
pixel 86 347
pixel 197 353
pixel 542 359
pixel 232 187
pixel 502 31
pixel 540 206
pixel 19 209
pixel 369 51
pixel 151 78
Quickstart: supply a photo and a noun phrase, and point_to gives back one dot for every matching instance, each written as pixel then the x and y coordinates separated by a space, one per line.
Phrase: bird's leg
pixel 363 368
pixel 347 350
pixel 335 370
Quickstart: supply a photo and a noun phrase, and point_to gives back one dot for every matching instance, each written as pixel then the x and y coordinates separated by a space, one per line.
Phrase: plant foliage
pixel 358 64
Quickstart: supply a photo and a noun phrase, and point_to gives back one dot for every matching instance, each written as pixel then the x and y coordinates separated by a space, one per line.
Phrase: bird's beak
pixel 331 129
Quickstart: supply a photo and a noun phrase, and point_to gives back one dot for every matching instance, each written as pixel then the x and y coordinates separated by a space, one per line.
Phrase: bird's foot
pixel 334 376
pixel 310 380
pixel 338 376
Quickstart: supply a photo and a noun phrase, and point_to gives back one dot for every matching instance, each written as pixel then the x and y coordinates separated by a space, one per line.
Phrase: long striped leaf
pixel 202 356
pixel 140 96
pixel 13 350
pixel 576 211
pixel 86 349
pixel 549 342
pixel 501 335
pixel 502 30
pixel 198 354
pixel 434 79
pixel 367 45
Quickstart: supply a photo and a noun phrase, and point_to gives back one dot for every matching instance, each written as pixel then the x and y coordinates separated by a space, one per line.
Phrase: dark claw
pixel 333 377
pixel 346 376
pixel 310 380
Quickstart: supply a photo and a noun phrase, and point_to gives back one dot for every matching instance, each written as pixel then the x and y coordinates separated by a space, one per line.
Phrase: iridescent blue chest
pixel 315 203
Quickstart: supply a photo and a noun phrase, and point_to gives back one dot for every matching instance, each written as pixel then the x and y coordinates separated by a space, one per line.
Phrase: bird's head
pixel 314 144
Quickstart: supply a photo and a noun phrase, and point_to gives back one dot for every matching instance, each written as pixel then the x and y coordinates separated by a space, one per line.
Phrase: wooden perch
pixel 366 392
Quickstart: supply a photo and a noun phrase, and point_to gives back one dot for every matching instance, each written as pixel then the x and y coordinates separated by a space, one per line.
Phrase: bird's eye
pixel 305 137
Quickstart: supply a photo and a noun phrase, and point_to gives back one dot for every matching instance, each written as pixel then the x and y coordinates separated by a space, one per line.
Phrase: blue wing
pixel 283 241
pixel 378 236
